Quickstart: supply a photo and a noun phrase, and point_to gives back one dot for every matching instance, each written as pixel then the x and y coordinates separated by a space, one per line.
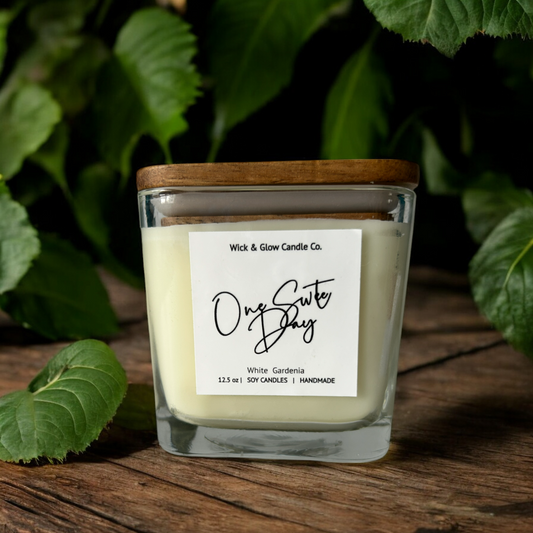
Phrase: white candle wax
pixel 385 248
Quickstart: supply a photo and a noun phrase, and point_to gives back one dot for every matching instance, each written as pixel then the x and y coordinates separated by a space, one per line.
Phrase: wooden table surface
pixel 461 457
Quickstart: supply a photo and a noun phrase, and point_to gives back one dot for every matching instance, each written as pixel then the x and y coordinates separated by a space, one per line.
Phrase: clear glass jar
pixel 275 296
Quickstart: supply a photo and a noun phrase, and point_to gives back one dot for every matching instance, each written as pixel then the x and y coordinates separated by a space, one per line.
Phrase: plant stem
pixel 215 146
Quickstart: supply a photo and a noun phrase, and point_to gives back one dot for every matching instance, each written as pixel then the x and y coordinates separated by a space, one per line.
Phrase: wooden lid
pixel 317 172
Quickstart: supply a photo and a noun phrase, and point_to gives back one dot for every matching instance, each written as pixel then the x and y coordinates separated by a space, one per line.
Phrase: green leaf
pixel 253 46
pixel 155 50
pixel 501 274
pixel 28 116
pixel 19 244
pixel 73 80
pixel 117 120
pixel 56 18
pixel 121 270
pixel 5 19
pixel 61 58
pixel 439 174
pixel 356 118
pixel 55 25
pixel 95 200
pixel 65 407
pixel 147 87
pixel 447 24
pixel 96 186
pixel 61 296
pixel 51 155
pixel 137 411
pixel 489 201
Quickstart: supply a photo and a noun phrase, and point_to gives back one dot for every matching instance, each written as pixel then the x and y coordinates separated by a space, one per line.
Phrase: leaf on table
pixel 146 87
pixel 356 117
pixel 447 24
pixel 501 274
pixel 19 243
pixel 28 116
pixel 253 45
pixel 487 202
pixel 61 296
pixel 65 407
pixel 137 411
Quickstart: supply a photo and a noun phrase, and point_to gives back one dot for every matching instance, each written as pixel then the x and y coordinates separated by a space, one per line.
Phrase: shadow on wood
pixel 487 423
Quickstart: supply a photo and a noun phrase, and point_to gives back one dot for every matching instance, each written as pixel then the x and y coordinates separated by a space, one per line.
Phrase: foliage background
pixel 91 90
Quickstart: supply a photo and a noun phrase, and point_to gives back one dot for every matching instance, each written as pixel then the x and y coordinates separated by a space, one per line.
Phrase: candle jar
pixel 275 295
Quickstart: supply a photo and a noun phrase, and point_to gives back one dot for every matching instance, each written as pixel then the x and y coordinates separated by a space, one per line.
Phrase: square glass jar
pixel 275 295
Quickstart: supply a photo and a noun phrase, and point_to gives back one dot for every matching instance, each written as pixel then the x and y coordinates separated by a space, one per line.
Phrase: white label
pixel 276 312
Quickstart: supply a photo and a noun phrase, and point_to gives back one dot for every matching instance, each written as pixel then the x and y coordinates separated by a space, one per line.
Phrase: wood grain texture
pixel 322 172
pixel 461 458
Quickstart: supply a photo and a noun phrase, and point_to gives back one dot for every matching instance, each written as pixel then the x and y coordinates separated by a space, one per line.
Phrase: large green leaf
pixel 19 244
pixel 61 296
pixel 501 274
pixel 253 45
pixel 489 201
pixel 155 50
pixel 117 119
pixel 147 87
pixel 356 118
pixel 447 24
pixel 65 407
pixel 28 116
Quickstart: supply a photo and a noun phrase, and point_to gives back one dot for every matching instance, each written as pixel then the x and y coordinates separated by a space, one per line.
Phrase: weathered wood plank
pixel 118 495
pixel 430 348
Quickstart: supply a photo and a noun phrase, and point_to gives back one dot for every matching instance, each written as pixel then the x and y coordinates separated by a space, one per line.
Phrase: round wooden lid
pixel 315 172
